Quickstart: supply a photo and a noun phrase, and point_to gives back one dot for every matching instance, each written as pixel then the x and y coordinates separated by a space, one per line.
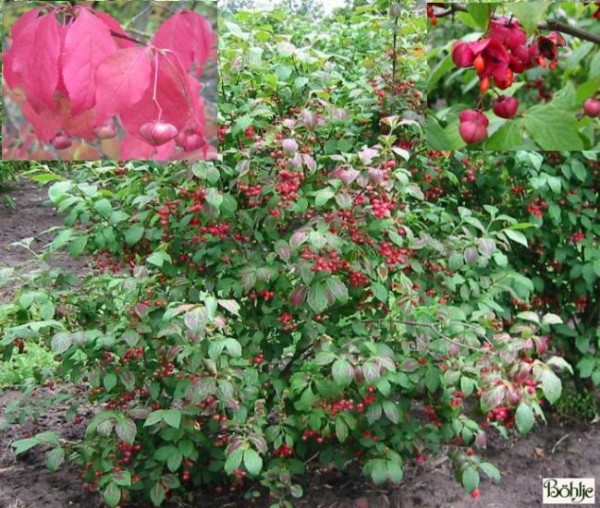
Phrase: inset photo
pixel 116 80
pixel 513 76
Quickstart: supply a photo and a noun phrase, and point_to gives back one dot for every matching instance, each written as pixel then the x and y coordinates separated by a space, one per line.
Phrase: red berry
pixel 591 107
pixel 61 141
pixel 158 133
pixel 506 107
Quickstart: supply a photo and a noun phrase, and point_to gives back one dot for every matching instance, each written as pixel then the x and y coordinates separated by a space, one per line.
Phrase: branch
pixel 126 37
pixel 571 30
pixel 548 25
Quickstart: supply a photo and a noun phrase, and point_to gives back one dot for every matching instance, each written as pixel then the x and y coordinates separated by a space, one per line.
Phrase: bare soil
pixel 563 448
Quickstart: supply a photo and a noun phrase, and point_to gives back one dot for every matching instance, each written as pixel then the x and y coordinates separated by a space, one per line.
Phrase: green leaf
pixel 174 460
pixel 342 372
pixel 109 381
pixel 437 139
pixel 61 342
pixel 481 12
pixel 233 460
pixel 55 458
pixel 324 195
pixel 126 429
pixel 22 445
pixel 103 207
pixel 78 246
pixel 551 319
pixel 158 258
pixel 122 478
pixel 134 234
pixel 214 197
pixel 112 494
pixel 317 298
pixel 341 429
pixel 395 472
pixel 508 137
pixel 172 417
pixel 551 385
pixel 338 289
pixel 253 462
pixel 490 470
pixel 524 417
pixel 586 366
pixel 552 128
pixel 154 417
pixel 516 236
pixel 579 170
pixel 529 316
pixel 529 14
pixel 61 239
pixel 470 479
pixel 391 411
pixel 157 494
pixel 380 291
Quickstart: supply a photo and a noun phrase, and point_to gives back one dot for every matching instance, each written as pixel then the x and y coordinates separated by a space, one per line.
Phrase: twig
pixel 571 30
pixel 126 37
pixel 559 441
pixel 548 25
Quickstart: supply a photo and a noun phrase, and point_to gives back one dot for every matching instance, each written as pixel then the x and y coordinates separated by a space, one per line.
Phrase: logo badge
pixel 568 491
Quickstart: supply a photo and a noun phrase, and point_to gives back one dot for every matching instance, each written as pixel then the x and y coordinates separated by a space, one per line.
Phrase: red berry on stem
pixel 158 133
pixel 506 107
pixel 591 107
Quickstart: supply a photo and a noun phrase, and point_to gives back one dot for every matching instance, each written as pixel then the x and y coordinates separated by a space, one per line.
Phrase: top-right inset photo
pixel 513 76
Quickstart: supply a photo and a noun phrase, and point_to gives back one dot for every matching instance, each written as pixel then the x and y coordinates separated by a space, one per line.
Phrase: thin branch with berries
pixel 547 25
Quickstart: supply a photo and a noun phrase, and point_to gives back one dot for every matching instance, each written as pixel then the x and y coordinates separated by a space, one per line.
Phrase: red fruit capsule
pixel 158 133
pixel 591 107
pixel 190 140
pixel 61 141
pixel 506 107
pixel 105 131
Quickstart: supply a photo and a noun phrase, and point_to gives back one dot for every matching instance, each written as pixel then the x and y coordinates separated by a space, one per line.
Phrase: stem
pixel 160 111
pixel 571 30
pixel 126 37
pixel 548 25
pixel 394 48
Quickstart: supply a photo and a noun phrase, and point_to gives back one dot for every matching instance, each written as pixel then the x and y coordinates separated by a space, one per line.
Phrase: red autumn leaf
pixel 14 61
pixel 45 124
pixel 173 97
pixel 87 44
pixel 42 76
pixel 176 34
pixel 189 35
pixel 113 26
pixel 121 81
pixel 204 40
pixel 133 148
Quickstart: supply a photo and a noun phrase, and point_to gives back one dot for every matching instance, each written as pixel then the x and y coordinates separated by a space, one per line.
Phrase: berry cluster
pixel 496 58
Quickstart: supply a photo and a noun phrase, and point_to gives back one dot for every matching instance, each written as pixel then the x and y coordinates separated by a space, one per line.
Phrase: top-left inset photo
pixel 120 80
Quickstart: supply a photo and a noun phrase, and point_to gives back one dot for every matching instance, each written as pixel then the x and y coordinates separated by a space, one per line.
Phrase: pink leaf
pixel 121 81
pixel 134 149
pixel 114 26
pixel 173 95
pixel 45 124
pixel 189 35
pixel 87 44
pixel 42 76
pixel 15 60
pixel 175 34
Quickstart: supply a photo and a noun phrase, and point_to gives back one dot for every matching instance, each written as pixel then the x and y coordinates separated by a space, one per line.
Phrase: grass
pixel 36 362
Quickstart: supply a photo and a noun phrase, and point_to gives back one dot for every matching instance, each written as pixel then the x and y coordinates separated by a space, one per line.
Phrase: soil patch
pixel 30 216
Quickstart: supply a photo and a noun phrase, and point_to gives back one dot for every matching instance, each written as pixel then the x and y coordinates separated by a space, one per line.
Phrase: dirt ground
pixel 564 448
